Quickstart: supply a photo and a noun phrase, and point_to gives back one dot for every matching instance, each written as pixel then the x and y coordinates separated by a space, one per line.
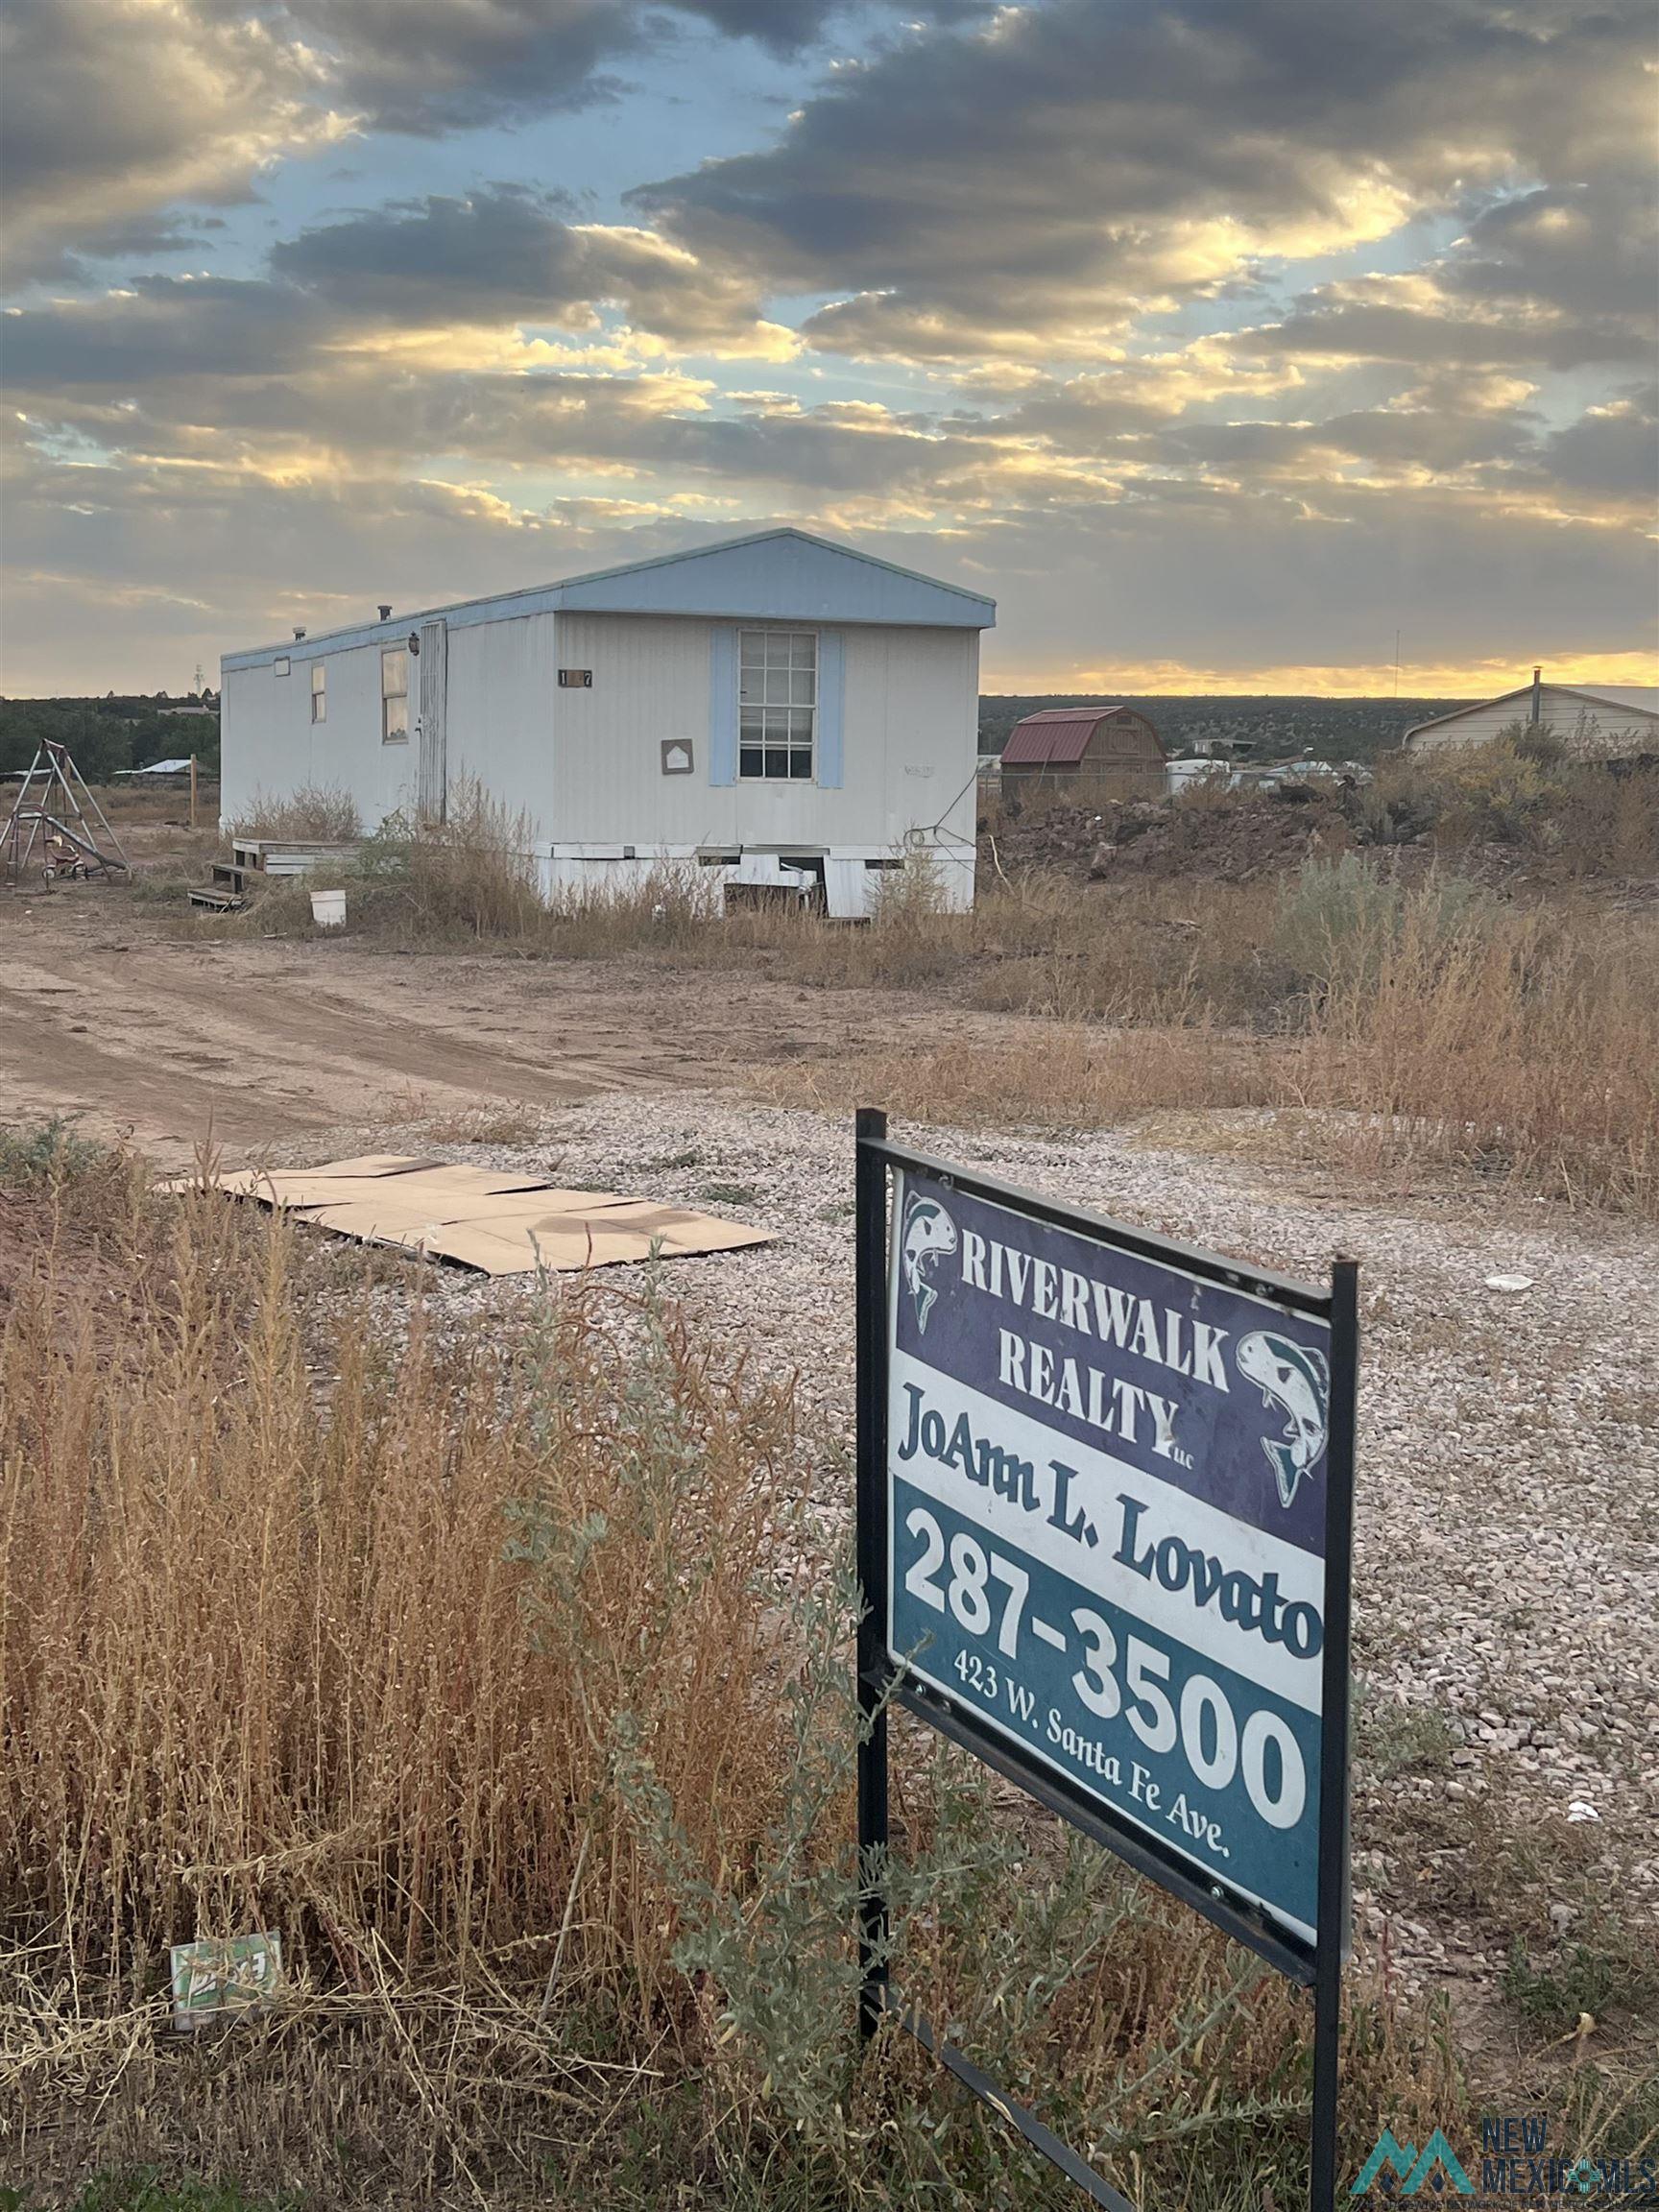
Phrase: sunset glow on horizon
pixel 1218 340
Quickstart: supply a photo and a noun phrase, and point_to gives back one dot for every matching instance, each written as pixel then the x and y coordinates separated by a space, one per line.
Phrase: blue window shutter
pixel 831 687
pixel 722 705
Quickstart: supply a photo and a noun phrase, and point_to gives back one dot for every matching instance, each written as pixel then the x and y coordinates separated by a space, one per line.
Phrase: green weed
pixel 1609 1972
pixel 47 1153
pixel 729 1194
pixel 1391 1740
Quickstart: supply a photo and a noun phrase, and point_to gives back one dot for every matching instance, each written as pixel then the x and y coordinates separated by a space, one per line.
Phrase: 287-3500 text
pixel 984 1593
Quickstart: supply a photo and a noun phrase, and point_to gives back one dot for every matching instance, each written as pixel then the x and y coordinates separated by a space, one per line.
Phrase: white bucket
pixel 328 909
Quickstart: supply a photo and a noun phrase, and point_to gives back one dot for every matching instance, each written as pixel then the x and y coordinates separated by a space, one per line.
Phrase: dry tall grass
pixel 472 873
pixel 1427 1024
pixel 266 1654
pixel 352 1663
pixel 1529 1048
pixel 1063 1077
pixel 467 1665
pixel 1541 793
pixel 312 813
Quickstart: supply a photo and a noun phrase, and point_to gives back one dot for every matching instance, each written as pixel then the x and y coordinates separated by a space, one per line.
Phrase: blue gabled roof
pixel 773 576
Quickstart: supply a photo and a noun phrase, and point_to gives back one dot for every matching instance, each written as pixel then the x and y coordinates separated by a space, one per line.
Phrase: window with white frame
pixel 777 704
pixel 395 695
pixel 319 693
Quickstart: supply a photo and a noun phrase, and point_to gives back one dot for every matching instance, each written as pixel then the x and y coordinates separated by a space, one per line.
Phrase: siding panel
pixel 722 705
pixel 831 703
pixel 270 748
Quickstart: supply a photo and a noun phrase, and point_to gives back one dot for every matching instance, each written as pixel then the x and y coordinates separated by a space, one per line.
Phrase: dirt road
pixel 106 1014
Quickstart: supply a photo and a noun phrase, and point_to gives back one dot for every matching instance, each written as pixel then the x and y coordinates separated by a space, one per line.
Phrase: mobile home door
pixel 432 794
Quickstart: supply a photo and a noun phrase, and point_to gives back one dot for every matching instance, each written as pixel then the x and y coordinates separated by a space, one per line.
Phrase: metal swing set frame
pixel 56 812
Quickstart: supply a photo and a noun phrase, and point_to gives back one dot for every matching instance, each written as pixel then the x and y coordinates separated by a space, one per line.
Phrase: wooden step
pixel 288 856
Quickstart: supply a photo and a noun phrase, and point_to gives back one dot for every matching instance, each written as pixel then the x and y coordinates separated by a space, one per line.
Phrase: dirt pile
pixel 1056 839
pixel 1231 842
pixel 1267 834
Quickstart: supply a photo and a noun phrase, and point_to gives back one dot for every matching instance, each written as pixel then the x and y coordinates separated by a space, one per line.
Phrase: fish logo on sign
pixel 1298 1381
pixel 929 1236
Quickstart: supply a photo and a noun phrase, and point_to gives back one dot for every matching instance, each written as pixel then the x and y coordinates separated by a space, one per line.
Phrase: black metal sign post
pixel 1280 1883
pixel 870 1233
pixel 1333 1725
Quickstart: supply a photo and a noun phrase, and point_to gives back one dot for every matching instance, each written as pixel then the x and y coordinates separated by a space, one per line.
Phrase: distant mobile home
pixel 1609 721
pixel 777 707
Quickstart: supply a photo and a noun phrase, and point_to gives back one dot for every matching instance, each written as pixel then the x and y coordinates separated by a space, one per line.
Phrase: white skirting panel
pixel 852 880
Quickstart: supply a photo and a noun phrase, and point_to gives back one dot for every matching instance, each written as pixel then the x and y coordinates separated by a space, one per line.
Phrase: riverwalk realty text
pixel 1116 1406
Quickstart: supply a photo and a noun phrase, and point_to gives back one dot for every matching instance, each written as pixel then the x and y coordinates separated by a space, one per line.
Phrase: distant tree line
pixel 107 734
pixel 1278 728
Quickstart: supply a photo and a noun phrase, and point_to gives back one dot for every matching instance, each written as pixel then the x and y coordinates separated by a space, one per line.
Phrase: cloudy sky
pixel 1217 339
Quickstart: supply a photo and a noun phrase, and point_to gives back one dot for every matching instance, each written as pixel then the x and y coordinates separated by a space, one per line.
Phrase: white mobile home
pixel 779 709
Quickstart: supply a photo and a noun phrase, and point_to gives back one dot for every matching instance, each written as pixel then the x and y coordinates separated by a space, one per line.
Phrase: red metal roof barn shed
pixel 1087 744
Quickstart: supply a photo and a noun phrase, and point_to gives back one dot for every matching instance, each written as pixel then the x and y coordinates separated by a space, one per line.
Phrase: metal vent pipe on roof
pixel 385 609
pixel 1537 696
pixel 298 634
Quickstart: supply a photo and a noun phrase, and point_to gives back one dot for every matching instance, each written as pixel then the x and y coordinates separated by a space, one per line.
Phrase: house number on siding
pixel 575 679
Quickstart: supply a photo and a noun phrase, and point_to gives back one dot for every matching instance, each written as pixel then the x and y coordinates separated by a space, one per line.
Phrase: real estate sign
pixel 1106 1522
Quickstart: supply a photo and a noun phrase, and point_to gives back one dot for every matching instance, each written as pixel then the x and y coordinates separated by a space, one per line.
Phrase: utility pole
pixel 1396 663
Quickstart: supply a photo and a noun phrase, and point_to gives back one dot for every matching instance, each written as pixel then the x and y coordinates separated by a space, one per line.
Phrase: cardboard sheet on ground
pixel 501 1223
